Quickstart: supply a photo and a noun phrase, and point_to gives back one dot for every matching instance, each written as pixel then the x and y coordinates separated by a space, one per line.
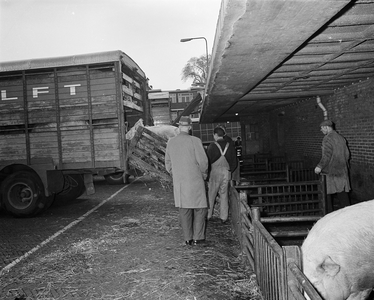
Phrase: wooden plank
pixel 290 219
pixel 147 153
pixel 75 148
pixel 47 115
pixel 288 194
pixel 12 119
pixel 256 173
pixel 12 139
pixel 72 76
pixel 249 251
pixel 10 105
pixel 103 99
pixel 106 146
pixel 12 147
pixel 293 233
pixel 143 145
pixel 43 136
pixel 295 212
pixel 294 184
pixel 71 101
pixel 76 135
pixel 107 155
pixel 76 157
pixel 73 118
pixel 151 159
pixel 152 144
pixel 145 166
pixel 297 282
pixel 45 152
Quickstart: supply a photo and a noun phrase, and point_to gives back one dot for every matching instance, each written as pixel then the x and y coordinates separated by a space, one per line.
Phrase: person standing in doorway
pixel 334 164
pixel 223 161
pixel 187 163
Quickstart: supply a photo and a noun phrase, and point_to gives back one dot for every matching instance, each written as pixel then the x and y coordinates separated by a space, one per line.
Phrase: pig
pixel 338 253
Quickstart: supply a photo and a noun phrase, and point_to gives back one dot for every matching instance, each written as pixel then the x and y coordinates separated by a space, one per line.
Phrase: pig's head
pixel 338 253
pixel 328 278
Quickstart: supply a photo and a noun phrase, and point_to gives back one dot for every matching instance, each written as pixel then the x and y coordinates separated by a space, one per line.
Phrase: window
pixel 205 131
pixel 185 97
pixel 252 131
pixel 173 98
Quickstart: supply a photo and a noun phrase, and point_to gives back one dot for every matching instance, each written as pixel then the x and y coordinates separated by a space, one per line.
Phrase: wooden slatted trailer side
pixel 63 120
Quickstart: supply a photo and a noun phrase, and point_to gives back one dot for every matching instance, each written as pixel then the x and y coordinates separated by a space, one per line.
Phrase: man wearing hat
pixel 334 164
pixel 186 161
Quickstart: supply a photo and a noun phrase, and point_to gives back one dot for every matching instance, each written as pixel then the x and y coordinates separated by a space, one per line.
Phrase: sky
pixel 149 31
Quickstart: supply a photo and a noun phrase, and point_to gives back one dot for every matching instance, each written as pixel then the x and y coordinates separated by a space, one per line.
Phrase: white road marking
pixel 51 238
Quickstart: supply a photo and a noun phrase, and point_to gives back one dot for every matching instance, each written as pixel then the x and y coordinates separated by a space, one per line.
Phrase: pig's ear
pixel 330 267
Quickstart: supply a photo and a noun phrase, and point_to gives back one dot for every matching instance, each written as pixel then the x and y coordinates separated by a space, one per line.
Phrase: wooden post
pixel 256 214
pixel 298 284
pixel 324 195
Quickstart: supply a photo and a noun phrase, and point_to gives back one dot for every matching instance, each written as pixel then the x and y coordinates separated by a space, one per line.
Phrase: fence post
pixel 324 195
pixel 291 255
pixel 297 283
pixel 235 207
pixel 256 213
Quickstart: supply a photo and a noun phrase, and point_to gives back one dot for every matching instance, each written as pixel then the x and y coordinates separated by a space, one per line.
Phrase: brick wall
pixel 352 110
pixel 259 139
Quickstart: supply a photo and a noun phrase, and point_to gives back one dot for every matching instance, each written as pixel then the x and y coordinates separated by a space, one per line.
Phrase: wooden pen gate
pixel 257 218
pixel 269 263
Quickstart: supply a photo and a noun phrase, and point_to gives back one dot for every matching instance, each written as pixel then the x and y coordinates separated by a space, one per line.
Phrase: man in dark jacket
pixel 334 164
pixel 223 161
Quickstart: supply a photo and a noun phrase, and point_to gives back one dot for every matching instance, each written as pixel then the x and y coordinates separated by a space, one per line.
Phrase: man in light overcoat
pixel 186 161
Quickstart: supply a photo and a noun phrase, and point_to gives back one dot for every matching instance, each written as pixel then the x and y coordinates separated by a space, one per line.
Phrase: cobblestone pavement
pixel 123 242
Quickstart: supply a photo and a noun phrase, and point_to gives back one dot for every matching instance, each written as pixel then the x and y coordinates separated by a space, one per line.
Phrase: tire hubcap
pixel 20 195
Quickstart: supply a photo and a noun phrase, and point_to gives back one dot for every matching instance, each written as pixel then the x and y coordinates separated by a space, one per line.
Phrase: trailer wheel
pixel 48 201
pixel 22 194
pixel 73 187
pixel 116 178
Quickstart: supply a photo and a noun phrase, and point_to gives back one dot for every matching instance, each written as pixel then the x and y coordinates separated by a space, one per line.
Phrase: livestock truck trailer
pixel 63 120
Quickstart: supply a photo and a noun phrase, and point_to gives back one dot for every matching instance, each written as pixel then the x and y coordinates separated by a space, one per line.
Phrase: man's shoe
pixel 188 243
pixel 224 221
pixel 198 242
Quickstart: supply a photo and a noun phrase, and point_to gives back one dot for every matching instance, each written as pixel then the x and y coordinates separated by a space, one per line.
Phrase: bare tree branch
pixel 196 69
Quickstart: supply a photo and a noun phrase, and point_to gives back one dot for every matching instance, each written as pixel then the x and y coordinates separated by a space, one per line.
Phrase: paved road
pixel 18 236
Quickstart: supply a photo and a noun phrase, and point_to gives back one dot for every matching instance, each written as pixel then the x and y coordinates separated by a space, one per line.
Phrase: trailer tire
pixel 116 178
pixel 48 201
pixel 73 187
pixel 23 194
